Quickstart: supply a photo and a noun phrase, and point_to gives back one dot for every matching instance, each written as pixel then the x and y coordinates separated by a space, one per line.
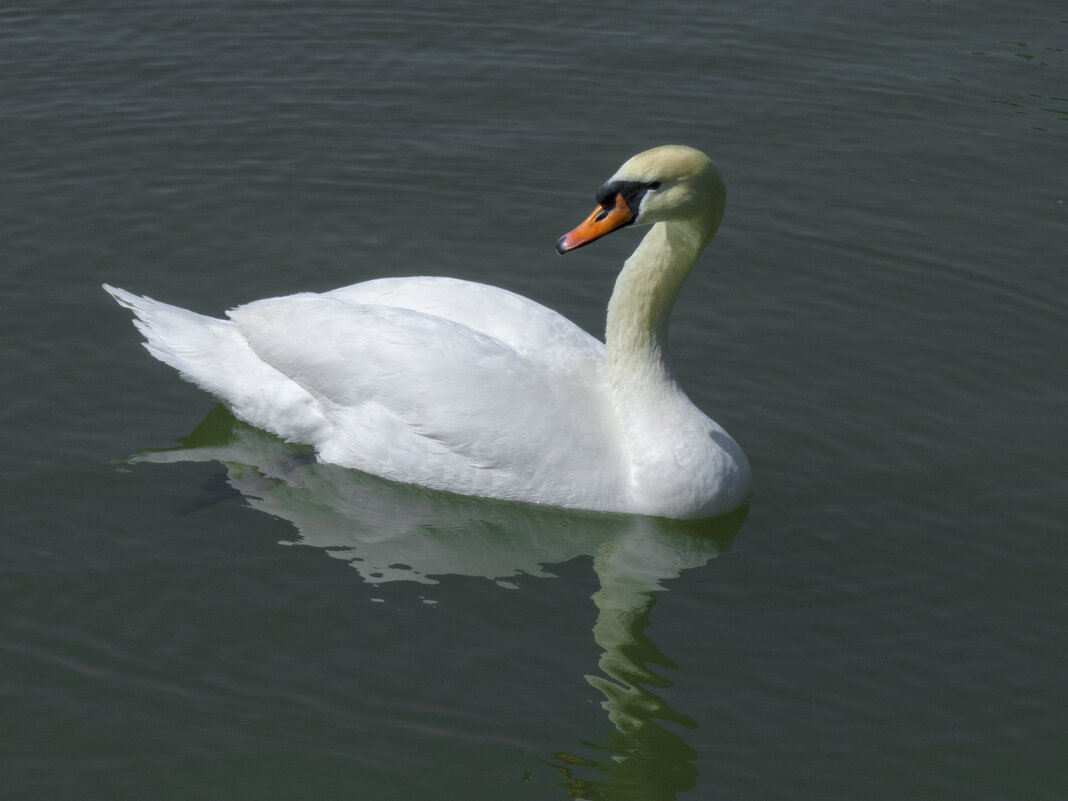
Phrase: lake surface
pixel 881 324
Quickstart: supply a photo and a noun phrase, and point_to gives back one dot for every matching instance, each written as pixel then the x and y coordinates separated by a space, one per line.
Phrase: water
pixel 880 323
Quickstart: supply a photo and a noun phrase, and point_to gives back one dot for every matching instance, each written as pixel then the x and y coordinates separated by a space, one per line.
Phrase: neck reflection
pixel 647 756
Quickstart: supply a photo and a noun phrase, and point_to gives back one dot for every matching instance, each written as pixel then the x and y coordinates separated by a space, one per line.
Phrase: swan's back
pixel 531 329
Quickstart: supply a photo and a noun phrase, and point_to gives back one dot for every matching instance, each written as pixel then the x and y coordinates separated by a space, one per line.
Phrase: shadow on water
pixel 391 532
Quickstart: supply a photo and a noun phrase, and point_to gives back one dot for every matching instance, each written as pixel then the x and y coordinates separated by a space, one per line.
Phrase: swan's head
pixel 667 183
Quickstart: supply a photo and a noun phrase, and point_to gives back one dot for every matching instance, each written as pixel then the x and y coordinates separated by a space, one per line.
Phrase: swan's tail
pixel 210 353
pixel 191 343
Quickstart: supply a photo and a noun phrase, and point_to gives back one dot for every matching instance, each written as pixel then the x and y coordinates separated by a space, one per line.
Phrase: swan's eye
pixel 631 192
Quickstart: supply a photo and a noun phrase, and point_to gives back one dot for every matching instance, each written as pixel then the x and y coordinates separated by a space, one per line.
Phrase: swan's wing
pixel 428 400
pixel 531 329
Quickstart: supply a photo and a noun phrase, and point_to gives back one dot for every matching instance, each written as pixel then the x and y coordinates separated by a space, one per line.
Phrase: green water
pixel 880 323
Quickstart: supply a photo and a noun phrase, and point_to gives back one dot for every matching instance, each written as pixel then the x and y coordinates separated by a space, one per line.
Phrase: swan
pixel 472 389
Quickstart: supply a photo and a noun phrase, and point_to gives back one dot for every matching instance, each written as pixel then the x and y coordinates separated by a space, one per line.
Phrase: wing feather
pixel 423 398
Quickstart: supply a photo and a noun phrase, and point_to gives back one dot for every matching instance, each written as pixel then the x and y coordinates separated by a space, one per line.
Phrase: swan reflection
pixel 391 532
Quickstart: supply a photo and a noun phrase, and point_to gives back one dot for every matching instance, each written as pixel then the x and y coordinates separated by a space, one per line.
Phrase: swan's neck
pixel 638 313
pixel 677 458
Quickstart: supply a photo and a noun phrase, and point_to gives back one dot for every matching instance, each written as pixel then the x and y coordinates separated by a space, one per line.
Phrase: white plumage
pixel 469 388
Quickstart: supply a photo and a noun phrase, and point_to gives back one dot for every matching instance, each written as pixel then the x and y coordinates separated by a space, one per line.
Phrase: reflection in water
pixel 642 759
pixel 392 532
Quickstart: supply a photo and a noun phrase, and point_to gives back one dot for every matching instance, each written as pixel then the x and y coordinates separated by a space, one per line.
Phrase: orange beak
pixel 602 221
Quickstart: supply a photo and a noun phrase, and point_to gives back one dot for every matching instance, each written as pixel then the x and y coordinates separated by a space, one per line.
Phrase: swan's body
pixel 472 389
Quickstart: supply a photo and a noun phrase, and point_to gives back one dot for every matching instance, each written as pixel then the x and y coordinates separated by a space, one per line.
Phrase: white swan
pixel 469 388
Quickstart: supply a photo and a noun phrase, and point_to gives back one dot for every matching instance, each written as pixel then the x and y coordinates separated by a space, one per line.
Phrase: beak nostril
pixel 612 213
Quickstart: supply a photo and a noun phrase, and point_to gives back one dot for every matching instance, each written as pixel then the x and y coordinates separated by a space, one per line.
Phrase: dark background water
pixel 881 324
